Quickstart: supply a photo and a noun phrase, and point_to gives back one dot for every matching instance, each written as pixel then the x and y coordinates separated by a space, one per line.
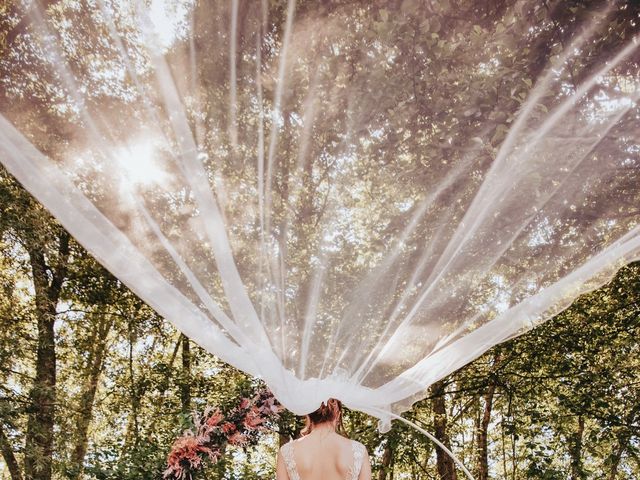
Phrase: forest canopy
pixel 383 102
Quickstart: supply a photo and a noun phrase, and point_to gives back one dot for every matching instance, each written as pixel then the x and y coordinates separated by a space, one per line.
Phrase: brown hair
pixel 331 411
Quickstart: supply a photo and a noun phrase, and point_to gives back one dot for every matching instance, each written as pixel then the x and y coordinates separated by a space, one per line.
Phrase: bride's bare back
pixel 323 455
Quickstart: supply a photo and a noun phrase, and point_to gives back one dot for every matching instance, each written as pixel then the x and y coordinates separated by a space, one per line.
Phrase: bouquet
pixel 213 430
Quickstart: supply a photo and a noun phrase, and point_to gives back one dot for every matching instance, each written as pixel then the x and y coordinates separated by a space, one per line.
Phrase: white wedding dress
pixel 358 449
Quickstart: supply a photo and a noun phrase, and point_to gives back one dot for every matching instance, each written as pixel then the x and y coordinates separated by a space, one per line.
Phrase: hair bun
pixel 329 411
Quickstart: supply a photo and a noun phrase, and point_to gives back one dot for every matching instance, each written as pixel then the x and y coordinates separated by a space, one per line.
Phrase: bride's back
pixel 324 455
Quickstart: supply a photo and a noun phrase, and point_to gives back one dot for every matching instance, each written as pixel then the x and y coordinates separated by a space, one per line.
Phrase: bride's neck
pixel 324 427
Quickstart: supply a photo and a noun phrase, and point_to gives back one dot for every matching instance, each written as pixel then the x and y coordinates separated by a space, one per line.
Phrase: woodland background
pixel 95 385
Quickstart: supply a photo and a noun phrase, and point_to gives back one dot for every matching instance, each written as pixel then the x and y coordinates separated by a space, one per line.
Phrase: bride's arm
pixel 365 471
pixel 281 469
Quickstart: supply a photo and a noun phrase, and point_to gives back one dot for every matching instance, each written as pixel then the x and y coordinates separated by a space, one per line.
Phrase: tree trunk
pixel 482 464
pixel 482 458
pixel 93 371
pixel 387 457
pixel 622 445
pixel 616 455
pixel 575 452
pixel 136 392
pixel 614 461
pixel 40 435
pixel 444 463
pixel 39 438
pixel 159 405
pixel 185 386
pixel 9 456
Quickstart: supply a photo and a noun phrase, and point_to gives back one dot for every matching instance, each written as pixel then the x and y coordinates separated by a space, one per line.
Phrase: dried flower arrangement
pixel 214 430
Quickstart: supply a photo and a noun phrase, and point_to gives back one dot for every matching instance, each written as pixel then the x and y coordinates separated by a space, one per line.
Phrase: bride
pixel 324 452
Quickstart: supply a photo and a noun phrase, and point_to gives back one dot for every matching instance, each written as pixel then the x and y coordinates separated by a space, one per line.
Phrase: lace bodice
pixel 292 470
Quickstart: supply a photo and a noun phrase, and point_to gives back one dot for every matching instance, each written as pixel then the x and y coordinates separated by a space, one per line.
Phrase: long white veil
pixel 348 200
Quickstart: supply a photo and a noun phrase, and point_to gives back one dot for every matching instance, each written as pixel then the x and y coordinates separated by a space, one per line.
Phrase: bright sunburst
pixel 139 163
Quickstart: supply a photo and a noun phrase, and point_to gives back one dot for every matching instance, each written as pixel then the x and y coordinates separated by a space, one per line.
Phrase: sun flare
pixel 139 163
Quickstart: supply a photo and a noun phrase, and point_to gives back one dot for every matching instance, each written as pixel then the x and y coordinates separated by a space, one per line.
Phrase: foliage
pixel 213 430
pixel 579 367
pixel 563 401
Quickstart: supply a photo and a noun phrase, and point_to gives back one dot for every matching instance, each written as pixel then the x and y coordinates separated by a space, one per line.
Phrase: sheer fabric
pixel 346 200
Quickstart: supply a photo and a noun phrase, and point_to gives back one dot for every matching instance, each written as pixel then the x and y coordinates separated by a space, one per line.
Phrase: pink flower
pixel 215 418
pixel 214 455
pixel 185 449
pixel 271 407
pixel 238 439
pixel 228 428
pixel 253 419
pixel 191 450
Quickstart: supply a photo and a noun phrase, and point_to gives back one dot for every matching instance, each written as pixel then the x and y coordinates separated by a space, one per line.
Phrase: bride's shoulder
pixel 358 446
pixel 288 445
pixel 293 441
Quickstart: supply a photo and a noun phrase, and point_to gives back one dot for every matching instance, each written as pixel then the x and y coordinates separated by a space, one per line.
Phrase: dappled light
pixel 344 199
